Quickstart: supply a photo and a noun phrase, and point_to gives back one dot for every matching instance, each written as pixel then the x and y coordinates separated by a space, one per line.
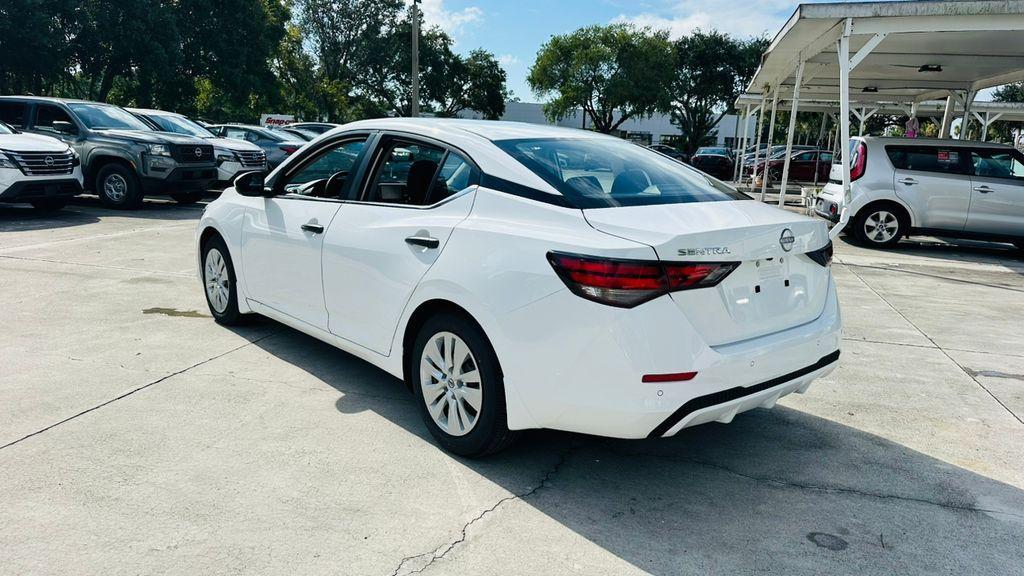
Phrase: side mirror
pixel 64 127
pixel 251 184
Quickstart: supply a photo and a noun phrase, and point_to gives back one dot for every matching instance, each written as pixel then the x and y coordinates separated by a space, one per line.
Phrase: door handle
pixel 908 181
pixel 424 241
pixel 984 189
pixel 313 227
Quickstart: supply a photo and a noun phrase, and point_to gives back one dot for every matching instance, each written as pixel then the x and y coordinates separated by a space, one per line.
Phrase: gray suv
pixel 123 159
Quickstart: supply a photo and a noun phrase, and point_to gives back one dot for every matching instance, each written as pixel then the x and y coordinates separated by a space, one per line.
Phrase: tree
pixel 475 82
pixel 711 70
pixel 1005 131
pixel 613 73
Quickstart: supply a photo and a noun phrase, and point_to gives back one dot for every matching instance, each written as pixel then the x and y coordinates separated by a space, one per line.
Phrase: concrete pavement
pixel 139 437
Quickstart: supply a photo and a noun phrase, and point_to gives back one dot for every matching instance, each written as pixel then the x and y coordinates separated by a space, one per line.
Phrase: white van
pixel 907 186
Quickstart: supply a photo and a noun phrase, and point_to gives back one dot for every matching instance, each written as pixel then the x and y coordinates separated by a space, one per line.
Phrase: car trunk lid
pixel 772 289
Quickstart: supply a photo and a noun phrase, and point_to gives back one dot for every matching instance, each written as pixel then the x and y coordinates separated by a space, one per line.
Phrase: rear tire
pixel 879 226
pixel 459 387
pixel 49 204
pixel 118 186
pixel 219 283
pixel 186 198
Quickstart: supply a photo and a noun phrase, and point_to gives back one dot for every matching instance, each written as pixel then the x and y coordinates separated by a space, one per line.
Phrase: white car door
pixel 997 202
pixel 935 182
pixel 378 248
pixel 283 237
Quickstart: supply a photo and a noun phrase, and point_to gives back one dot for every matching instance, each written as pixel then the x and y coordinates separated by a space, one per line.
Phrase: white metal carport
pixel 908 52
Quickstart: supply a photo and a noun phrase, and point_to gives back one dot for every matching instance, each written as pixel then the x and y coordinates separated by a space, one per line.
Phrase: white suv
pixel 905 186
pixel 39 170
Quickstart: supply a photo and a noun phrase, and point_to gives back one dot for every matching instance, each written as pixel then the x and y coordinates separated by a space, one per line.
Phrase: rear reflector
pixel 628 283
pixel 677 377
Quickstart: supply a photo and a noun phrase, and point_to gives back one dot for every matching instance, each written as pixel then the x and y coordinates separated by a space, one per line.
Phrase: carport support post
pixel 844 124
pixel 760 129
pixel 947 117
pixel 771 134
pixel 789 134
pixel 738 169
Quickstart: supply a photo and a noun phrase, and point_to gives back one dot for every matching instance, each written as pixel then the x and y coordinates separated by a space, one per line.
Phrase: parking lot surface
pixel 139 437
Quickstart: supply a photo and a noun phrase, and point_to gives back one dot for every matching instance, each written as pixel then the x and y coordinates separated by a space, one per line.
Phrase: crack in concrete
pixel 441 551
pixel 133 391
pixel 813 487
pixel 908 345
pixel 101 266
pixel 930 339
pixel 936 276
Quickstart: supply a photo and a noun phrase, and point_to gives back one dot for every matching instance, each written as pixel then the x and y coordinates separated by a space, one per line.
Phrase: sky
pixel 514 30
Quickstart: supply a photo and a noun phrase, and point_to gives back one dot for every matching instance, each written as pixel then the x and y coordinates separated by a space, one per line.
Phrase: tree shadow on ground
pixel 777 491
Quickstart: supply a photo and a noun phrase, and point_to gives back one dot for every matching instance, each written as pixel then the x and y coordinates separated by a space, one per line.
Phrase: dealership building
pixel 656 129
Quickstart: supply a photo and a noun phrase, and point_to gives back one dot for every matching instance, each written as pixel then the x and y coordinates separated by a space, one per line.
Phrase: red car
pixel 802 166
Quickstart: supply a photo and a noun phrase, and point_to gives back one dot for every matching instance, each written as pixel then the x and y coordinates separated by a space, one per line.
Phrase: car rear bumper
pixel 597 384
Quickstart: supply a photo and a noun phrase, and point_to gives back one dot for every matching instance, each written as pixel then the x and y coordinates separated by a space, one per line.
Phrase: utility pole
pixel 415 97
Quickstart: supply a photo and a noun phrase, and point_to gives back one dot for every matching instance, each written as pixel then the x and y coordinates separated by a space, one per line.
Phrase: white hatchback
pixel 519 276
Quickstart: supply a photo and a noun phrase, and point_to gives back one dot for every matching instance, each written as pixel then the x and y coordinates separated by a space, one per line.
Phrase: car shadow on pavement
pixel 974 251
pixel 83 210
pixel 24 218
pixel 776 491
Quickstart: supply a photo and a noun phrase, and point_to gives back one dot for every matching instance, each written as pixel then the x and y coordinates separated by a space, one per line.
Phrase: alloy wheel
pixel 881 226
pixel 218 284
pixel 450 382
pixel 115 187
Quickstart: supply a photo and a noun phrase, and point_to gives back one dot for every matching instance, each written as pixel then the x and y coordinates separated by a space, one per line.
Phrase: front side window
pixel 613 173
pixel 329 174
pixel 13 113
pixel 47 114
pixel 405 173
pixel 105 117
pixel 997 164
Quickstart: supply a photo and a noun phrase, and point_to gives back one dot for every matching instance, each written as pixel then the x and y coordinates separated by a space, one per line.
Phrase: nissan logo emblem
pixel 787 239
pixel 199 152
pixel 48 160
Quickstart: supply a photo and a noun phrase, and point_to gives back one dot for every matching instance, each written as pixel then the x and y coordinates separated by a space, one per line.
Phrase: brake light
pixel 859 161
pixel 288 148
pixel 822 255
pixel 628 283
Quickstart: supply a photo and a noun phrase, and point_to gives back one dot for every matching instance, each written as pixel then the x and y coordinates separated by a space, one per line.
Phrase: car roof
pixel 53 99
pixel 488 129
pixel 948 142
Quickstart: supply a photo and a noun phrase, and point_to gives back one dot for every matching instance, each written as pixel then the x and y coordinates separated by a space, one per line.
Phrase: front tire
pixel 118 187
pixel 458 386
pixel 219 283
pixel 879 226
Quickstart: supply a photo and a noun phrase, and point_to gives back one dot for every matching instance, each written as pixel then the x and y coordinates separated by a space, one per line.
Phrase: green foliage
pixel 1001 130
pixel 711 70
pixel 613 73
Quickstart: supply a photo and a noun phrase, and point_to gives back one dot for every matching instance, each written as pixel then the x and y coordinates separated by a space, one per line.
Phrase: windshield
pixel 716 151
pixel 179 125
pixel 5 129
pixel 101 116
pixel 602 173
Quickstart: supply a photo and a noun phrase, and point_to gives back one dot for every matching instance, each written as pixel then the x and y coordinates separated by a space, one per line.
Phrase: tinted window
pixel 613 172
pixel 456 175
pixel 997 164
pixel 47 114
pixel 179 125
pixel 406 173
pixel 328 175
pixel 826 157
pixel 13 113
pixel 928 159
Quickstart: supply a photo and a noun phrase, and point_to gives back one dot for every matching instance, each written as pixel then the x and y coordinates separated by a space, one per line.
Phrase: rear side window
pixel 13 113
pixel 604 173
pixel 997 164
pixel 929 159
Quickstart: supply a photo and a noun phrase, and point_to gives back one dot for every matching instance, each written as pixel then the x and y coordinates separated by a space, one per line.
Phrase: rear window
pixel 603 173
pixel 929 159
pixel 13 113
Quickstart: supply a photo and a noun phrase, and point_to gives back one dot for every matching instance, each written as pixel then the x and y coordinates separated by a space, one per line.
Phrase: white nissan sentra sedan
pixel 519 276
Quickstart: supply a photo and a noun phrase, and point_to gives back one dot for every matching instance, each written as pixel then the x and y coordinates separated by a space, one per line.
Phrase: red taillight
pixel 859 161
pixel 628 283
pixel 677 377
pixel 288 149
